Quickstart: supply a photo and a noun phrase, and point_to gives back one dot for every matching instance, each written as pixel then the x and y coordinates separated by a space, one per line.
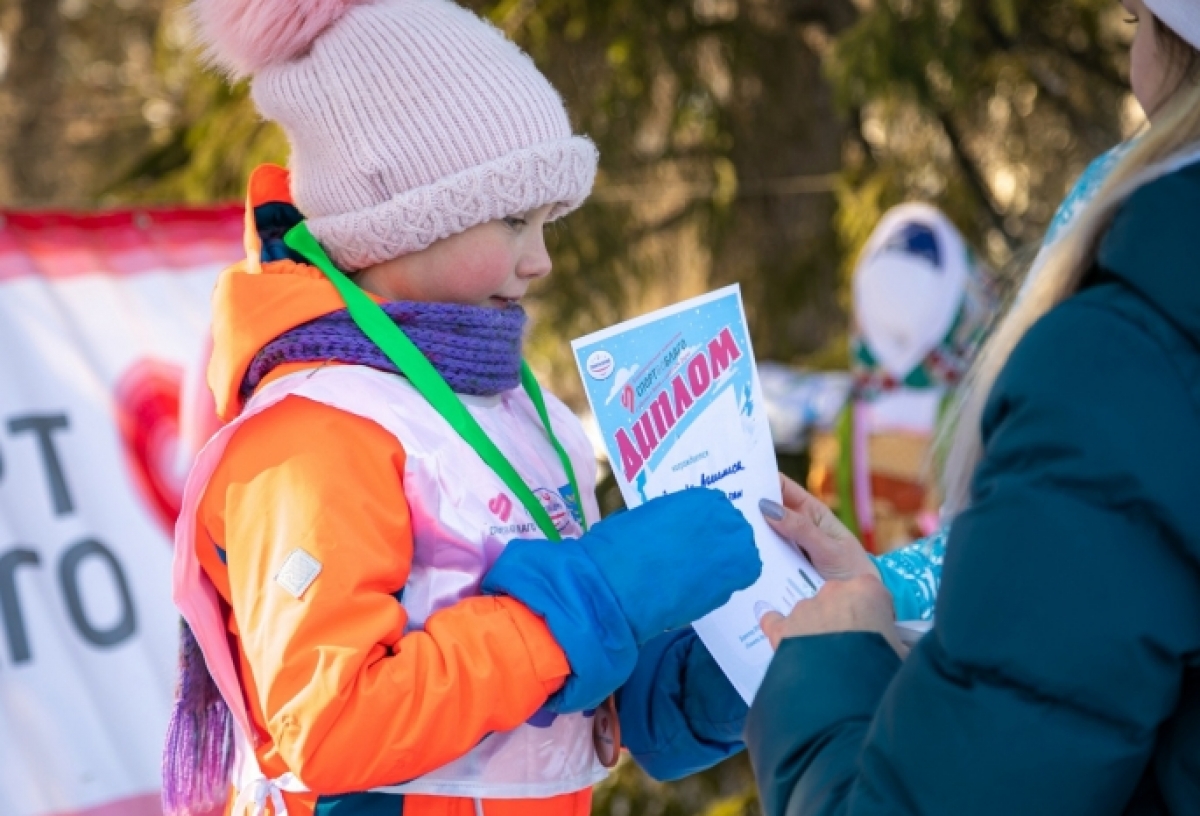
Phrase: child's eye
pixel 1132 20
pixel 514 222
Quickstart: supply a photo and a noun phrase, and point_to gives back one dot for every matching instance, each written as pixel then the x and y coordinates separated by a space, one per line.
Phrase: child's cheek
pixel 478 275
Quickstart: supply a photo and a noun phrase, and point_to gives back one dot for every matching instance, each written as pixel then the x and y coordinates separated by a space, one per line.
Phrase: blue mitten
pixel 633 576
pixel 679 713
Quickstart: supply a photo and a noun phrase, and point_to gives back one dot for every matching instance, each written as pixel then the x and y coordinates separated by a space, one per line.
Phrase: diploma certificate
pixel 677 398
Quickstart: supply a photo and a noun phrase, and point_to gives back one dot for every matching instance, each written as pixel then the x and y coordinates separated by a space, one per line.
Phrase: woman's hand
pixel 806 523
pixel 859 604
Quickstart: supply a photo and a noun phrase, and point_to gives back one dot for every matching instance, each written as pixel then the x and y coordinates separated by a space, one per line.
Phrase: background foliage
pixel 755 141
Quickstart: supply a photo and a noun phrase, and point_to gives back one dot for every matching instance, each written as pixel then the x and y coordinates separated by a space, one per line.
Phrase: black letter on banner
pixel 10 603
pixel 44 425
pixel 68 576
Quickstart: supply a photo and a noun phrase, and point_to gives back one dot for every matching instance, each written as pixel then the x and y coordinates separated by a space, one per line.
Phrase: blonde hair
pixel 1172 142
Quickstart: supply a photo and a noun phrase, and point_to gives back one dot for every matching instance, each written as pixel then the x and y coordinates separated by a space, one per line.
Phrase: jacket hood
pixel 1153 246
pixel 257 300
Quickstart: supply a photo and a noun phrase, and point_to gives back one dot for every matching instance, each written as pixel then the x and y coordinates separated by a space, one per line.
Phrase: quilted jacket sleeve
pixel 1069 617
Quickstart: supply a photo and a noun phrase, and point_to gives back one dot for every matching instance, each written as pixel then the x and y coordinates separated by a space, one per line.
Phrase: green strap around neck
pixel 417 369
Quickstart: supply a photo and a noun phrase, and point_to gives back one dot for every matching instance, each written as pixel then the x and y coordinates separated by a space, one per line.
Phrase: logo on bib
pixel 556 507
pixel 572 501
pixel 501 506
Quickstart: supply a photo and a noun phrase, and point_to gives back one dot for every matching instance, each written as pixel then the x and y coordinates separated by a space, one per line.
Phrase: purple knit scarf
pixel 476 349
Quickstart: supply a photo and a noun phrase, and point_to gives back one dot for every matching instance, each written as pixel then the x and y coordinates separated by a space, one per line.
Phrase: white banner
pixel 101 316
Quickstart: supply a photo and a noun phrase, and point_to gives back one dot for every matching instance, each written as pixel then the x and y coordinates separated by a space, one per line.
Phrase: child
pixel 375 642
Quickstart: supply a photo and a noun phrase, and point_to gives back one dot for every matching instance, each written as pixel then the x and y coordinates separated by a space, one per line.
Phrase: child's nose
pixel 535 261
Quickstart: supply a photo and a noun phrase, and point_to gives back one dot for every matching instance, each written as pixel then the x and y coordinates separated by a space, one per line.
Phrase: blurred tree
pixel 31 67
pixel 79 96
pixel 987 108
pixel 719 145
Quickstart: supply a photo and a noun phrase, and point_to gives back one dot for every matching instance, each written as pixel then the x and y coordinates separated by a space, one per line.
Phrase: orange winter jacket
pixel 338 693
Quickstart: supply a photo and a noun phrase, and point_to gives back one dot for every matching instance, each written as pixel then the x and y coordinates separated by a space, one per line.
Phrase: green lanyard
pixel 383 331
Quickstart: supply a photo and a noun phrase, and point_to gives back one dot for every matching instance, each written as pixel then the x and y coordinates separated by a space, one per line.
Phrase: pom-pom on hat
pixel 409 120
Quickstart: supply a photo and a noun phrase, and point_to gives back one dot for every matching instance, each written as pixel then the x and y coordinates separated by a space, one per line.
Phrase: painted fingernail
pixel 770 509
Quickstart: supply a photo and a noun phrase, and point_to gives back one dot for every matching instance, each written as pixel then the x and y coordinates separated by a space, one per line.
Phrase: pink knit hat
pixel 409 120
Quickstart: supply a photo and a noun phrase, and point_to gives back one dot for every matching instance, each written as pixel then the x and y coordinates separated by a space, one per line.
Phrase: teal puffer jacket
pixel 1062 675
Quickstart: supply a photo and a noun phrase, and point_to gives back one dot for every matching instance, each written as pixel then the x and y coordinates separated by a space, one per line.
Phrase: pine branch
pixel 973 175
pixel 1087 61
pixel 1031 39
pixel 666 224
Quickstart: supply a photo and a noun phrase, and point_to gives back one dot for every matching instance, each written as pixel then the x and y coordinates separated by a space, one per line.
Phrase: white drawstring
pixel 260 790
pixel 253 786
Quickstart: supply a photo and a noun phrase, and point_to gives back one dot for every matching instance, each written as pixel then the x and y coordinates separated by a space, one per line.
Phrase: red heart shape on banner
pixel 147 400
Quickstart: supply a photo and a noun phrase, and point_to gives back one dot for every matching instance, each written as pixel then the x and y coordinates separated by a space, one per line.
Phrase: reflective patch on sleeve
pixel 298 572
